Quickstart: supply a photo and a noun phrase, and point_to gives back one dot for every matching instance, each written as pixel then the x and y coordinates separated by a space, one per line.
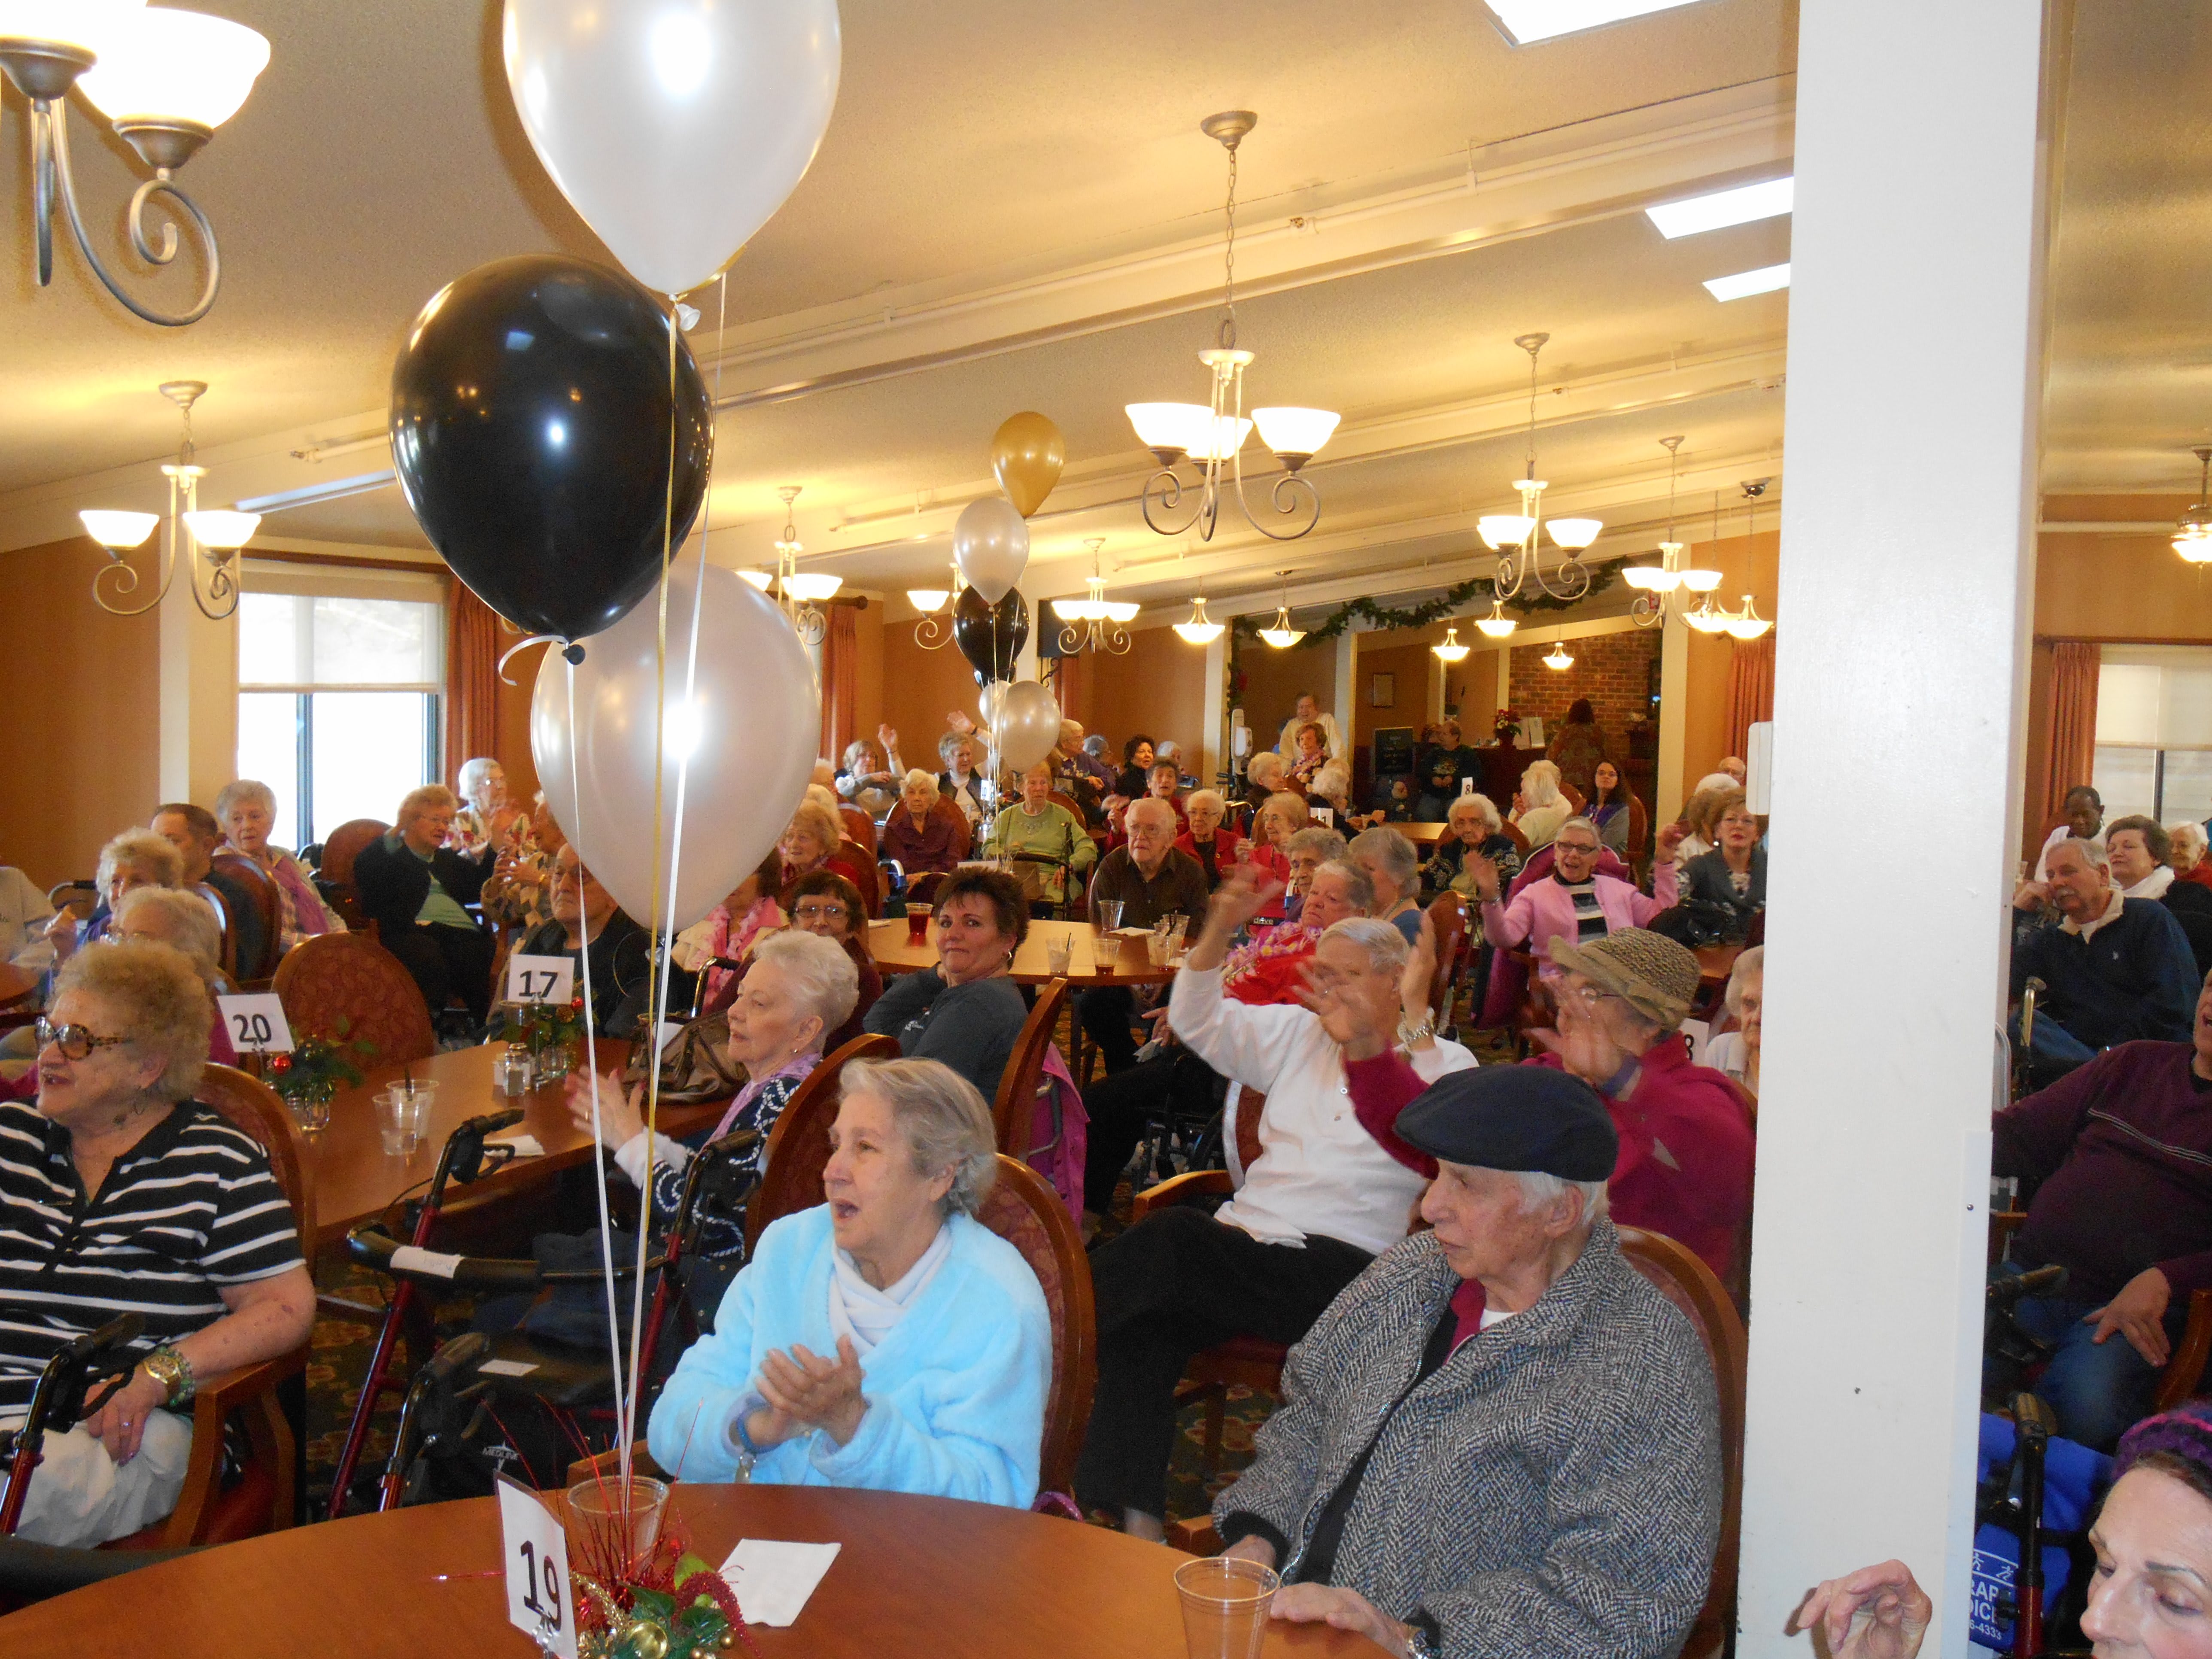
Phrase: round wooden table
pixel 915 1575
pixel 1093 960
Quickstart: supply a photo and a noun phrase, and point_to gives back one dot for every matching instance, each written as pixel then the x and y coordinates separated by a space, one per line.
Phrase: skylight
pixel 1739 206
pixel 1746 284
pixel 1526 22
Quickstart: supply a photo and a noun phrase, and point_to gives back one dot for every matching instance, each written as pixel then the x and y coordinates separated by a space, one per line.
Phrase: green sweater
pixel 1054 833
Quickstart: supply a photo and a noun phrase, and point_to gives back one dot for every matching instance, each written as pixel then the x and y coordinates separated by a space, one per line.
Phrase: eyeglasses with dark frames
pixel 75 1042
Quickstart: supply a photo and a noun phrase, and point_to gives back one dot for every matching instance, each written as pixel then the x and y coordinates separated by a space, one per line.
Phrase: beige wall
pixel 1159 688
pixel 1272 680
pixel 1747 565
pixel 81 692
pixel 1404 654
pixel 915 688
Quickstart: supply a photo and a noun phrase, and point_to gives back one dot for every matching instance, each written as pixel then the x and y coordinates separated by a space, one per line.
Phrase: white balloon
pixel 991 546
pixel 752 726
pixel 676 127
pixel 1028 726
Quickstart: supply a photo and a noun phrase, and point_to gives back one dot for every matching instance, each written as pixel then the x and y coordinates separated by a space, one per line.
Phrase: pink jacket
pixel 1542 911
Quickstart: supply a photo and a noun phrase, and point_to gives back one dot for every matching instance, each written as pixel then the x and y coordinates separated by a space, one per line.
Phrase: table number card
pixel 539 979
pixel 534 1549
pixel 256 1023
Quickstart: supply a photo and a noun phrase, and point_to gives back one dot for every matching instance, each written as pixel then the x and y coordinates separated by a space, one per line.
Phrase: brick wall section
pixel 1613 671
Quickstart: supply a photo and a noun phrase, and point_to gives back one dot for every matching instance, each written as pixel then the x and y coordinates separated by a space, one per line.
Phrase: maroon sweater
pixel 2120 1150
pixel 1686 1145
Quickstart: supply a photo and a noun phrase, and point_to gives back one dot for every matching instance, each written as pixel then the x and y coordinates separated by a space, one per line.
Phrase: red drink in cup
pixel 917 923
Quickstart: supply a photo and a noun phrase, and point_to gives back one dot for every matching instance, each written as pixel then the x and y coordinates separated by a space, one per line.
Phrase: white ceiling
pixel 1011 214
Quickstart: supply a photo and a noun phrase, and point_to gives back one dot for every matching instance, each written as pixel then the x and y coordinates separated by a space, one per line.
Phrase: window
pixel 2155 733
pixel 338 696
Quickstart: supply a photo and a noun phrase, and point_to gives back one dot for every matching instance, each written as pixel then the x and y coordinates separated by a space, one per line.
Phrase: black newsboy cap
pixel 1515 1117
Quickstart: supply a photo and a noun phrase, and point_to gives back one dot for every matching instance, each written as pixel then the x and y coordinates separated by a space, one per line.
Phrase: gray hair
pixel 474 772
pixel 1749 965
pixel 1359 887
pixel 1150 804
pixel 1481 805
pixel 1263 765
pixel 187 916
pixel 1071 733
pixel 946 1124
pixel 145 849
pixel 1385 946
pixel 1333 779
pixel 165 1009
pixel 1391 852
pixel 243 791
pixel 1582 823
pixel 915 778
pixel 2187 836
pixel 1315 839
pixel 819 821
pixel 1540 783
pixel 823 975
pixel 1205 798
pixel 949 745
pixel 1539 1189
pixel 2092 851
pixel 430 797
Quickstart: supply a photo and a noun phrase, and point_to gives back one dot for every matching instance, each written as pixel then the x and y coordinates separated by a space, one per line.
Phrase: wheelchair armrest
pixel 1181 1189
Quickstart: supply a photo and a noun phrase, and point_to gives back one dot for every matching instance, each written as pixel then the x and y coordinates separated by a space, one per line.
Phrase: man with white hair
pixel 416 889
pixel 2114 970
pixel 1149 878
pixel 1329 1190
pixel 1501 1440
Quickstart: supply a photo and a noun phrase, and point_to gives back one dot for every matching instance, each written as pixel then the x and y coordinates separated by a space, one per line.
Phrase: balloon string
pixel 592 1071
pixel 507 655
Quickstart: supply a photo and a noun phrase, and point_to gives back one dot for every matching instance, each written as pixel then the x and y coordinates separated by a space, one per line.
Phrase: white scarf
pixel 860 1310
pixel 2152 886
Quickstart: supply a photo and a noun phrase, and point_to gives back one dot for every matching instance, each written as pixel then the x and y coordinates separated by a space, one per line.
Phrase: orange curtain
pixel 1751 689
pixel 2070 755
pixel 841 681
pixel 471 681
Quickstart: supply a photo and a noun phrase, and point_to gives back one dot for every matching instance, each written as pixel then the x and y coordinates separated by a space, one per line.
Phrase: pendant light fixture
pixel 1282 635
pixel 204 540
pixel 1515 538
pixel 1103 618
pixel 2192 537
pixel 1212 434
pixel 935 603
pixel 800 591
pixel 1449 649
pixel 1667 583
pixel 1559 661
pixel 1201 629
pixel 1496 625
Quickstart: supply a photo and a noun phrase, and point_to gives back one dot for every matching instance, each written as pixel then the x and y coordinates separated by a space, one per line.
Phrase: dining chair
pixel 1022 1208
pixel 1015 1108
pixel 346 987
pixel 799 1145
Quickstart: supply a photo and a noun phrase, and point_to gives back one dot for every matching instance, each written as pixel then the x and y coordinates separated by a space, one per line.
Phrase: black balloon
pixel 530 426
pixel 990 635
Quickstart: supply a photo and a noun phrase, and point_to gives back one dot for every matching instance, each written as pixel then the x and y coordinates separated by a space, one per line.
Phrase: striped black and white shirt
pixel 190 1209
pixel 1590 918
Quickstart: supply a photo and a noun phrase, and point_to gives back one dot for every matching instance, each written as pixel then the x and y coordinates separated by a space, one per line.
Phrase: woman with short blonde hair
pixel 134 859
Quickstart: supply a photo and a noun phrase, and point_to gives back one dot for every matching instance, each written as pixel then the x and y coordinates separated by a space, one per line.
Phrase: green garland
pixel 1420 615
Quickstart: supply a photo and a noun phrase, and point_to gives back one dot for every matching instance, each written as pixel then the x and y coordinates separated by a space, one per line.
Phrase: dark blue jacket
pixel 2133 979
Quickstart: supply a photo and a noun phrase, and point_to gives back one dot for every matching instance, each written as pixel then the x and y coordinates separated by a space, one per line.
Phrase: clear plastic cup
pixel 1110 915
pixel 395 1121
pixel 1059 951
pixel 613 1525
pixel 1224 1606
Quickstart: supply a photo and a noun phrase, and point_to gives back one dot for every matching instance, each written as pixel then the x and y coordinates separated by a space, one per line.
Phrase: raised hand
pixel 1876 1612
pixel 621 1118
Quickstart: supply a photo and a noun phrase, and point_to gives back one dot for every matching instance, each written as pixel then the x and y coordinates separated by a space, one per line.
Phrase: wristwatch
pixel 172 1371
pixel 1417 1643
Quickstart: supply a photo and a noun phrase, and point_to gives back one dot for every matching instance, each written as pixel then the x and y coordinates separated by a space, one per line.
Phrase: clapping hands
pixel 805 1391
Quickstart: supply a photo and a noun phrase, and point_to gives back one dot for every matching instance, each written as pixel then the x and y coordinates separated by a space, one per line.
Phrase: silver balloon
pixel 1028 726
pixel 991 546
pixel 751 727
pixel 676 127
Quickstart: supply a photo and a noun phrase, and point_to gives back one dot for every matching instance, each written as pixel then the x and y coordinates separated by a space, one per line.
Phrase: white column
pixel 199 697
pixel 1347 704
pixel 1215 755
pixel 1504 673
pixel 1668 787
pixel 1906 589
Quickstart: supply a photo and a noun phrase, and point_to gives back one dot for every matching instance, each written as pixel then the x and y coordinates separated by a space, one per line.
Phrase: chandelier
pixel 205 540
pixel 1747 623
pixel 1668 581
pixel 1201 628
pixel 797 590
pixel 2192 537
pixel 1282 635
pixel 1558 661
pixel 1450 650
pixel 1103 618
pixel 930 633
pixel 1514 537
pixel 166 80
pixel 1496 625
pixel 1212 434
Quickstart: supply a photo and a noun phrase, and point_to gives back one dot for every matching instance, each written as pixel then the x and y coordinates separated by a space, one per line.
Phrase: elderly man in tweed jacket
pixel 1500 1440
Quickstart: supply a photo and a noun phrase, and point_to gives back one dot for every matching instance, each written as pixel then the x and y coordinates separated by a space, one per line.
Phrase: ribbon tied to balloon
pixel 676 129
pixel 749 730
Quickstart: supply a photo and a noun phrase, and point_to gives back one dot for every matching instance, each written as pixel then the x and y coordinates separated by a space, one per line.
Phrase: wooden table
pixel 16 984
pixel 1422 834
pixel 915 1575
pixel 1093 961
pixel 354 1180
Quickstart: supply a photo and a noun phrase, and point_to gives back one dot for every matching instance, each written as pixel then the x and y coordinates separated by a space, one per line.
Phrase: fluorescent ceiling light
pixel 1528 21
pixel 1745 283
pixel 1723 208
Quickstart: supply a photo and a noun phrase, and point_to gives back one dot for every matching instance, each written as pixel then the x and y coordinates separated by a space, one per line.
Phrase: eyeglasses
pixel 1589 996
pixel 1586 848
pixel 819 912
pixel 75 1042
